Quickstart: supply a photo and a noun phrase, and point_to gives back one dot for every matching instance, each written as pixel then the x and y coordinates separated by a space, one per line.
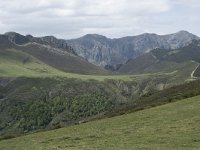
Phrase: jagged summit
pixel 52 41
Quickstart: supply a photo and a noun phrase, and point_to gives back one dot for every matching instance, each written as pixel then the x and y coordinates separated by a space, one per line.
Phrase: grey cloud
pixel 113 18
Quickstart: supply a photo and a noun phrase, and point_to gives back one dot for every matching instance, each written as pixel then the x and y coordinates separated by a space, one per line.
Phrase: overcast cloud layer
pixel 113 18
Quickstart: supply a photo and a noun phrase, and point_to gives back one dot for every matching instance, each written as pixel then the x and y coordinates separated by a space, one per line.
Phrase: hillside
pixel 18 62
pixel 161 60
pixel 171 126
pixel 61 60
pixel 14 63
pixel 28 104
pixel 23 62
pixel 31 104
pixel 49 52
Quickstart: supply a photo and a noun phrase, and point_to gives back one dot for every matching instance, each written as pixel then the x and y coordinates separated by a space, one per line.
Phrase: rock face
pixel 106 52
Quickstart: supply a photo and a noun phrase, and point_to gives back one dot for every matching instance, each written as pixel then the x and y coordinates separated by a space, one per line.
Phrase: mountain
pixel 159 60
pixel 48 50
pixel 19 39
pixel 105 52
pixel 111 53
pixel 128 55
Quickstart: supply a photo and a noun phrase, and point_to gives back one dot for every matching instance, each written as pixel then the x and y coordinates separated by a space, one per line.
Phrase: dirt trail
pixel 192 74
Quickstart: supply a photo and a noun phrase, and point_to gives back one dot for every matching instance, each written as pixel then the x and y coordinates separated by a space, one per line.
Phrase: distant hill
pixel 163 60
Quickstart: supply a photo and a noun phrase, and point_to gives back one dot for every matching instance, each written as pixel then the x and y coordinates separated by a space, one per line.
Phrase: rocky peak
pixel 52 41
pixel 16 38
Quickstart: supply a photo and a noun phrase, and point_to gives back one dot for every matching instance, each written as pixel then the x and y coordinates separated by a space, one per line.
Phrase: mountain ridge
pixel 159 60
pixel 106 52
pixel 103 51
pixel 49 50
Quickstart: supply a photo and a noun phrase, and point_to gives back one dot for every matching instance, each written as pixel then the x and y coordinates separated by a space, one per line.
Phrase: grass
pixel 171 126
pixel 38 69
pixel 15 63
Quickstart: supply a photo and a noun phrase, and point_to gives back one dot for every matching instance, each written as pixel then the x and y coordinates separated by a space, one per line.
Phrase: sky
pixel 69 19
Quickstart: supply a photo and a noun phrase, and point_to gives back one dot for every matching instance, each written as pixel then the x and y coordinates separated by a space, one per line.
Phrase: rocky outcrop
pixel 47 40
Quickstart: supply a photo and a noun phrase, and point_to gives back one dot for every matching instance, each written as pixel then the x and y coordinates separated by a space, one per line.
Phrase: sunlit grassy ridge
pixel 15 63
pixel 171 126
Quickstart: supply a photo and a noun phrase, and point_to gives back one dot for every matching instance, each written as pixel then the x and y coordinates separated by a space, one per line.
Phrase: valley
pixel 99 75
pixel 48 83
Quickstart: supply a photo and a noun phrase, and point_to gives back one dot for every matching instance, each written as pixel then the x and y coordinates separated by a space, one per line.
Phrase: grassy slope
pixel 62 61
pixel 162 60
pixel 138 64
pixel 33 61
pixel 182 71
pixel 171 126
pixel 54 102
pixel 14 63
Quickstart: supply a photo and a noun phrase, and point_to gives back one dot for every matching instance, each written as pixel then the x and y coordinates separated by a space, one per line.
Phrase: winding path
pixel 192 74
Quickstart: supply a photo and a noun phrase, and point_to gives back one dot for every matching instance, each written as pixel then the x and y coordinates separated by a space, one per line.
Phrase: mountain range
pixel 110 53
pixel 105 52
